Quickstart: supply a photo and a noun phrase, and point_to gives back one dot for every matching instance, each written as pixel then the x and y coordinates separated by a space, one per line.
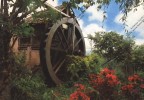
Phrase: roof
pixel 30 19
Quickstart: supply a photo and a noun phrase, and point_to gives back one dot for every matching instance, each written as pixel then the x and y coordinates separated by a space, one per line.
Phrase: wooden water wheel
pixel 63 38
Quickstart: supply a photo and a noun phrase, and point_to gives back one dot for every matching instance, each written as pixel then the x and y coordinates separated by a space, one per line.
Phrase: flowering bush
pixel 106 86
pixel 105 83
pixel 79 93
pixel 134 88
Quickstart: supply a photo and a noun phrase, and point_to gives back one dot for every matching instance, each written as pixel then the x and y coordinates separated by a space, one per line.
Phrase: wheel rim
pixel 64 38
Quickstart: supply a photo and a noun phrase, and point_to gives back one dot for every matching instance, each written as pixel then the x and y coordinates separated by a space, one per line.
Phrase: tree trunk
pixel 4 48
pixel 4 59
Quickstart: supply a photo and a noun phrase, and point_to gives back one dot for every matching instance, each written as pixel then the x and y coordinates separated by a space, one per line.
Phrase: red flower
pixel 111 77
pixel 128 87
pixel 134 78
pixel 74 96
pixel 80 87
pixel 142 86
pixel 105 82
pixel 99 80
pixel 77 95
pixel 106 71
pixel 112 80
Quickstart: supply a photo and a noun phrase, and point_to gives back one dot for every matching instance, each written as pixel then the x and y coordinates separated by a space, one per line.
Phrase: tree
pixel 12 22
pixel 124 5
pixel 138 58
pixel 112 46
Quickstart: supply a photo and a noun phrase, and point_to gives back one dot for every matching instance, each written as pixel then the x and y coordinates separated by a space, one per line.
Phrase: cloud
pixel 95 14
pixel 53 2
pixel 135 22
pixel 139 41
pixel 118 18
pixel 132 17
pixel 91 28
pixel 140 29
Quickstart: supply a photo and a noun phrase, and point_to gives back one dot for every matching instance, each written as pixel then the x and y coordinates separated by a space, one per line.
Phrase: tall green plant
pixel 112 46
pixel 138 58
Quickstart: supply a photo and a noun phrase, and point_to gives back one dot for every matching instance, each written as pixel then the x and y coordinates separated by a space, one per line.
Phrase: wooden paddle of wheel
pixel 64 38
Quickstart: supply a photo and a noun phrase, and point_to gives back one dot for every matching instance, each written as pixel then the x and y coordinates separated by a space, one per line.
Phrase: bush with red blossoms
pixel 79 93
pixel 106 86
pixel 134 88
pixel 105 83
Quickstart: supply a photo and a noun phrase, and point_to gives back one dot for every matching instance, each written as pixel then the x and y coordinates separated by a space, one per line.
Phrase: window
pixel 33 41
pixel 25 42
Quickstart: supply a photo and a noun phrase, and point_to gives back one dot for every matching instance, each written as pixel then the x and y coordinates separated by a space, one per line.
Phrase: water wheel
pixel 63 38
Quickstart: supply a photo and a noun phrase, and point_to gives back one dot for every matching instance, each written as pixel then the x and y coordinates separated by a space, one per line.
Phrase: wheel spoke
pixel 77 43
pixel 63 34
pixel 56 50
pixel 61 41
pixel 58 65
pixel 69 34
pixel 73 37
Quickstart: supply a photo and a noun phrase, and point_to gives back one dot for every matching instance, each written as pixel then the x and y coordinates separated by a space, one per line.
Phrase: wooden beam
pixel 48 5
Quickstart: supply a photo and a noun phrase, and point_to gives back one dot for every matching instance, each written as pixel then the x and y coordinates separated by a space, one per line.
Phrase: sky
pixel 92 21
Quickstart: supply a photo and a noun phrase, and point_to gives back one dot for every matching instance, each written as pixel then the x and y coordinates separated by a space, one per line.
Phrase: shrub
pixel 80 66
pixel 79 94
pixel 94 63
pixel 19 68
pixel 28 88
pixel 75 66
pixel 134 88
pixel 105 83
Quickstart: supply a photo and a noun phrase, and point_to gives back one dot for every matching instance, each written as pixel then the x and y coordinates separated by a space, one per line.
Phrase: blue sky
pixel 92 21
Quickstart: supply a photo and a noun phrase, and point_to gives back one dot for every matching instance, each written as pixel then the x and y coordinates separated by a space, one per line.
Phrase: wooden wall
pixel 32 56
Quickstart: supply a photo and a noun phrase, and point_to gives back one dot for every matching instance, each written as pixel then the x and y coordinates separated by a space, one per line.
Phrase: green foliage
pixel 33 87
pixel 80 66
pixel 61 92
pixel 19 66
pixel 138 58
pixel 124 5
pixel 23 30
pixel 119 51
pixel 140 73
pixel 28 88
pixel 120 74
pixel 112 45
pixel 75 66
pixel 81 5
pixel 25 84
pixel 47 15
pixel 20 58
pixel 33 3
pixel 94 62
